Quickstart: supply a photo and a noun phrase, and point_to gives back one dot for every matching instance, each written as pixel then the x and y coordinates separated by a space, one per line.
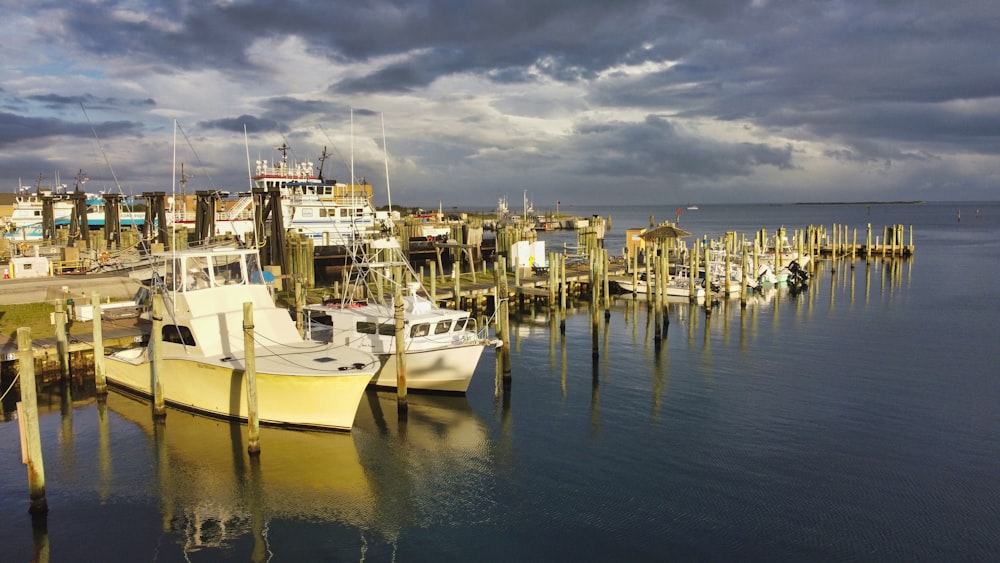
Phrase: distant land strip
pixel 911 202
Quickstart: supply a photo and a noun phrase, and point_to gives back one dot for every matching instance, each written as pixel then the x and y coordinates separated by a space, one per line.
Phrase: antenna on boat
pixel 322 160
pixel 385 152
pixel 253 198
pixel 352 150
pixel 283 149
pixel 173 193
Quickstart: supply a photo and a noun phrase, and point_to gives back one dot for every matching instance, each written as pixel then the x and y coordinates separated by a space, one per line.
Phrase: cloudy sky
pixel 581 101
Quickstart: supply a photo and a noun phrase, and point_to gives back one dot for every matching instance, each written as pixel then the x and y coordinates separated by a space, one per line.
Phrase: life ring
pixel 105 257
pixel 24 247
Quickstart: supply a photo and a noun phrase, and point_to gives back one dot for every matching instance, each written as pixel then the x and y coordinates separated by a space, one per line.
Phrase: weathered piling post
pixel 635 269
pixel 30 432
pixel 799 246
pixel 553 276
pixel 728 272
pixel 457 271
pixel 397 301
pixel 505 315
pixel 854 245
pixel 156 340
pixel 654 286
pixel 692 271
pixel 433 276
pixel 594 293
pixel 563 292
pixel 868 245
pixel 62 340
pixel 605 266
pixel 779 239
pixel 100 374
pixel 498 329
pixel 885 239
pixel 299 299
pixel 744 288
pixel 250 372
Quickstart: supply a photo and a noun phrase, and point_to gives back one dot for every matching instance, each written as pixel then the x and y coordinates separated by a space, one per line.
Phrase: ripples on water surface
pixel 857 420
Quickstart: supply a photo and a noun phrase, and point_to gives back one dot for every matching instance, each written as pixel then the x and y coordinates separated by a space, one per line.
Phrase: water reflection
pixel 383 477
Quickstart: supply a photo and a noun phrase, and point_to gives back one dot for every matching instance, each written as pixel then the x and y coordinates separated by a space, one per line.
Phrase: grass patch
pixel 35 316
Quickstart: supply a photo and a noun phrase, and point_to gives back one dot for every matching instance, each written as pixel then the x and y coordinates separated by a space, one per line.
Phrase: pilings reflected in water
pixel 737 322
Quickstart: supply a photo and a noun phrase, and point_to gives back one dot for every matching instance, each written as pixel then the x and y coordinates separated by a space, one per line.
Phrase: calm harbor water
pixel 857 420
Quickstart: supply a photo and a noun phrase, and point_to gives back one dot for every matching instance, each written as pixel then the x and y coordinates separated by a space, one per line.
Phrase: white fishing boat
pixel 442 346
pixel 334 215
pixel 300 383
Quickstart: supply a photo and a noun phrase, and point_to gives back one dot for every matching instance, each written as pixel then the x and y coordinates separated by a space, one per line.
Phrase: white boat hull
pixel 441 369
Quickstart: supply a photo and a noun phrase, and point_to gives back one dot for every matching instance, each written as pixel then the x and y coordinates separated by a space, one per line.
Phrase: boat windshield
pixel 195 272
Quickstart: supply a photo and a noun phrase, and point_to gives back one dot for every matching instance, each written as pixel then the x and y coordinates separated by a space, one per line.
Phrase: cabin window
pixel 460 325
pixel 307 212
pixel 322 212
pixel 178 334
pixel 366 327
pixel 227 270
pixel 442 327
pixel 422 329
pixel 387 329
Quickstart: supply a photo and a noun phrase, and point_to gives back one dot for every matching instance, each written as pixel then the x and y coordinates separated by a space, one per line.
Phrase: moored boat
pixel 300 383
pixel 442 346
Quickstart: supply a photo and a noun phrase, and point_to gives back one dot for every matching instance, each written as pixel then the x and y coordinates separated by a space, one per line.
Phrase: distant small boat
pixel 692 208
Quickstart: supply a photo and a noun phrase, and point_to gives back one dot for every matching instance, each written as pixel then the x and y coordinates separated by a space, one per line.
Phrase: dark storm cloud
pixel 863 83
pixel 58 101
pixel 283 109
pixel 17 128
pixel 656 148
pixel 237 124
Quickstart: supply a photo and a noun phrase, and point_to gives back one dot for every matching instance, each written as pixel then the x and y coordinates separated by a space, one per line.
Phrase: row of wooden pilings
pixel 28 405
pixel 31 446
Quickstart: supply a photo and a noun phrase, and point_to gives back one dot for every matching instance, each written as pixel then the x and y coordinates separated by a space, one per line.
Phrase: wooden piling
pixel 553 273
pixel 605 266
pixel 31 437
pixel 564 289
pixel 505 319
pixel 594 322
pixel 62 339
pixel 299 306
pixel 498 330
pixel 397 301
pixel 250 372
pixel 457 270
pixel 156 341
pixel 868 245
pixel 744 289
pixel 693 271
pixel 433 269
pixel 100 373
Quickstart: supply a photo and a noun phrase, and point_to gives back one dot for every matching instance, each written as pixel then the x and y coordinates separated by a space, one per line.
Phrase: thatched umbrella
pixel 663 233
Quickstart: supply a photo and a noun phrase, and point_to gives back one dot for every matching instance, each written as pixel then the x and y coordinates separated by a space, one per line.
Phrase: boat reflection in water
pixel 364 487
